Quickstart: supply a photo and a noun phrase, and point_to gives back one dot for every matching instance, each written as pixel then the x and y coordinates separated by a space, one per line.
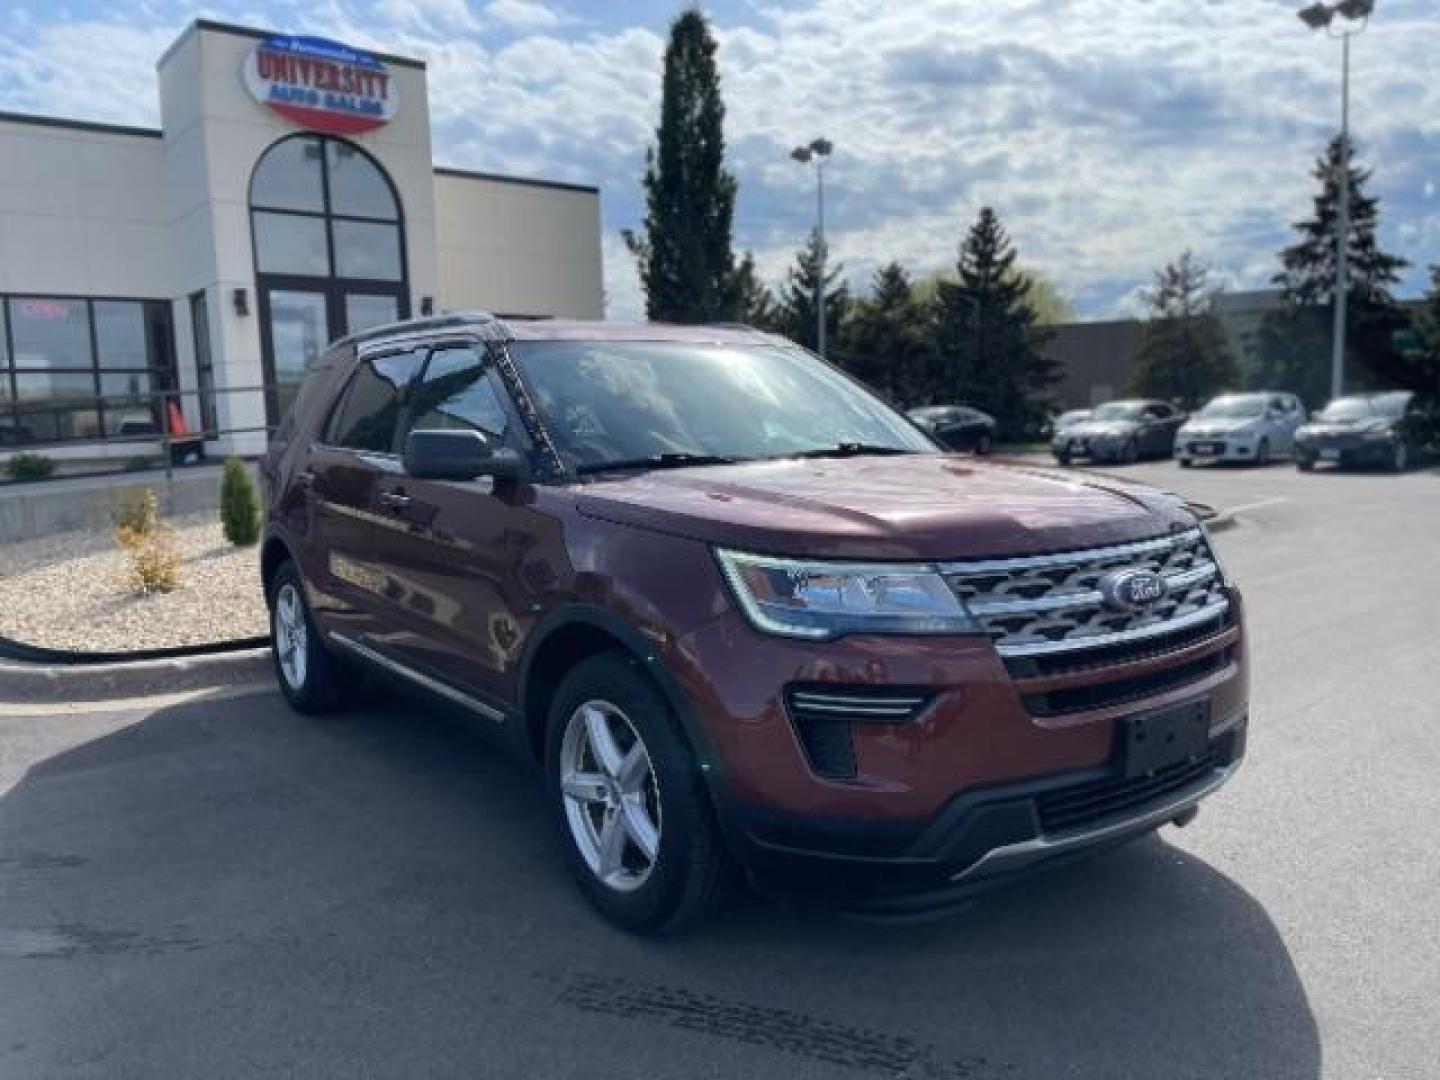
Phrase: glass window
pixel 120 334
pixel 367 417
pixel 53 386
pixel 204 364
pixel 291 244
pixel 288 177
pixel 356 185
pixel 4 348
pixel 55 425
pixel 50 333
pixel 457 393
pixel 364 310
pixel 365 249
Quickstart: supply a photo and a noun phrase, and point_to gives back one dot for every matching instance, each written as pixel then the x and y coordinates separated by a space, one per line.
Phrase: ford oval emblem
pixel 1131 590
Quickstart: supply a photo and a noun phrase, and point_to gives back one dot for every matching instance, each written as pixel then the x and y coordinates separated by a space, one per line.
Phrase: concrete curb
pixel 23 683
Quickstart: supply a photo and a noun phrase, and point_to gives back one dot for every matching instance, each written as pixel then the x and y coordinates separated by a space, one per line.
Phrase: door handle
pixel 395 500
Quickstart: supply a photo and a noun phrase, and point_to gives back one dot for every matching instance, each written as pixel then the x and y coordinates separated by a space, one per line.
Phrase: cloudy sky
pixel 1109 134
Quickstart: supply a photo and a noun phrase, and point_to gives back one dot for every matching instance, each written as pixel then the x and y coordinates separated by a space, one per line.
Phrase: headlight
pixel 801 598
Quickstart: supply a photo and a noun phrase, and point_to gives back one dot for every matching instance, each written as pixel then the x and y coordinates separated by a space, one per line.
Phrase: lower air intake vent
pixel 824 715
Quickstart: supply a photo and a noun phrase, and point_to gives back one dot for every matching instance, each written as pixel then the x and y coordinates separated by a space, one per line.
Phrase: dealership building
pixel 288 198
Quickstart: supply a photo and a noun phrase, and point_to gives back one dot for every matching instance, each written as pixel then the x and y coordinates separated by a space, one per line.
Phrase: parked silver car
pixel 1241 427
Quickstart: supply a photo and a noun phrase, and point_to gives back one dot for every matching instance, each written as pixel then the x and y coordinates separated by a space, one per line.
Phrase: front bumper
pixel 1094 447
pixel 1345 450
pixel 1216 447
pixel 964 794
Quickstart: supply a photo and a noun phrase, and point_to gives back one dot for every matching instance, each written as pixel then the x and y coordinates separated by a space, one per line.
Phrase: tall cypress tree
pixel 1289 352
pixel 686 263
pixel 1184 353
pixel 888 338
pixel 796 316
pixel 989 346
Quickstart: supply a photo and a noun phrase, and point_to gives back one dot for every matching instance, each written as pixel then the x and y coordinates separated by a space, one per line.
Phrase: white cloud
pixel 524 15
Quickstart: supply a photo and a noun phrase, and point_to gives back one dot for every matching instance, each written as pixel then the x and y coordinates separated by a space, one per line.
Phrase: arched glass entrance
pixel 329 243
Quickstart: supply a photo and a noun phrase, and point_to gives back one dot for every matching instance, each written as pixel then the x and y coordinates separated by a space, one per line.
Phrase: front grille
pixel 1084 804
pixel 824 713
pixel 1051 605
pixel 1123 691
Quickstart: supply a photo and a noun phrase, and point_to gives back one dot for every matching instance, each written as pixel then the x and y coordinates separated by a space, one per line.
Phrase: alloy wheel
pixel 611 795
pixel 291 642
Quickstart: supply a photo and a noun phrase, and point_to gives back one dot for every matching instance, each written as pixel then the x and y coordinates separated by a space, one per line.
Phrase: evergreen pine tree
pixel 1422 361
pixel 754 302
pixel 989 349
pixel 887 339
pixel 796 315
pixel 1184 354
pixel 1285 346
pixel 687 266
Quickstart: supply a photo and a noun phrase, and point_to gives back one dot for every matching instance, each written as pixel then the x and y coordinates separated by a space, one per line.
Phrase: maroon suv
pixel 745 613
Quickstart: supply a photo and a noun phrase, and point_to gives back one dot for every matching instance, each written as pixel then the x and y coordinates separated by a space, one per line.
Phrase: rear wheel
pixel 984 444
pixel 309 674
pixel 639 831
pixel 1304 464
pixel 1185 462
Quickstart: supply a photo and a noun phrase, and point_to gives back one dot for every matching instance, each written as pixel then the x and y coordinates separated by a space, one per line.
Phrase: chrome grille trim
pixel 1099 641
pixel 1040 605
pixel 1071 558
pixel 859 705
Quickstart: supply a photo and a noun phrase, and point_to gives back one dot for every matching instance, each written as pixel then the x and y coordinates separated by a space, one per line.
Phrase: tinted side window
pixel 370 408
pixel 457 392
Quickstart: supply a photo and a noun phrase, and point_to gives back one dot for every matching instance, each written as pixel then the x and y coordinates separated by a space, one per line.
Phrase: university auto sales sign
pixel 322 85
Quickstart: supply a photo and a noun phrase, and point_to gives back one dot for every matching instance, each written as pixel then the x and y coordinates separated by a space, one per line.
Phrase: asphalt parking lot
pixel 221 888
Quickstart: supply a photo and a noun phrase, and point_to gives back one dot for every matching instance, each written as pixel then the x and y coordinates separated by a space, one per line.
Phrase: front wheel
pixel 639 831
pixel 1130 453
pixel 1400 457
pixel 1262 452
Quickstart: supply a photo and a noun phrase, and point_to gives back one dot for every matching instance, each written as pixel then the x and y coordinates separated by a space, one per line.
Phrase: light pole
pixel 818 151
pixel 1321 16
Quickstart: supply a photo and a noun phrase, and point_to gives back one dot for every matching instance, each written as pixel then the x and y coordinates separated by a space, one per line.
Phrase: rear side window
pixel 370 408
pixel 458 393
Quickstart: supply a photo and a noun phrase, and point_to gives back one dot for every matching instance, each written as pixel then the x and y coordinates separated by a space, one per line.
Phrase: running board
pixel 435 686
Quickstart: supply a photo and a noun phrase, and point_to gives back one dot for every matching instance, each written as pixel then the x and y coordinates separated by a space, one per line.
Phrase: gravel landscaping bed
pixel 71 592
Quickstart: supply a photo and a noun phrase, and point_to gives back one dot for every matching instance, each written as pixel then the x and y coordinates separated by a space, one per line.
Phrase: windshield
pixel 1234 408
pixel 1349 409
pixel 1119 410
pixel 632 401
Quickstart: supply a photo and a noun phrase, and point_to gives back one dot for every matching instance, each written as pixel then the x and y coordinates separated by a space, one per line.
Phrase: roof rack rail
pixel 430 322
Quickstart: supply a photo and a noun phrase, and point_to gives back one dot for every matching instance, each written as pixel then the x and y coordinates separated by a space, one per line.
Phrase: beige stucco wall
pixel 518 249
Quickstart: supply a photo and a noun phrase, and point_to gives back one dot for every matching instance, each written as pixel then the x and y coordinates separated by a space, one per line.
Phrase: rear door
pixel 457 599
pixel 343 471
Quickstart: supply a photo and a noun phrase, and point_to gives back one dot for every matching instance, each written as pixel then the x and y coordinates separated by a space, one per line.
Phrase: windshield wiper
pixel 850 449
pixel 658 461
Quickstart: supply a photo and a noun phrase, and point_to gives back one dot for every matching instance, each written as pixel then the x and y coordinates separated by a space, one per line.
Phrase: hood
pixel 1091 428
pixel 1343 427
pixel 1219 425
pixel 914 506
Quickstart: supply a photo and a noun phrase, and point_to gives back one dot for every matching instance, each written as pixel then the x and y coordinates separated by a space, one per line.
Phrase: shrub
pixel 136 517
pixel 155 563
pixel 30 467
pixel 239 506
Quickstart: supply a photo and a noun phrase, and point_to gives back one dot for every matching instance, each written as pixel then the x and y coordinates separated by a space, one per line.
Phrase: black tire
pixel 1262 452
pixel 984 444
pixel 1400 457
pixel 1185 462
pixel 688 877
pixel 1062 458
pixel 1305 464
pixel 319 685
pixel 1130 453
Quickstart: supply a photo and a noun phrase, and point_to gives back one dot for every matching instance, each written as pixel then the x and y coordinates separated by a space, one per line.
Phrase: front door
pixel 299 318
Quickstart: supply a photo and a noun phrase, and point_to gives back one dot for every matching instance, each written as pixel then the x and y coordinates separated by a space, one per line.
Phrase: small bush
pixel 155 563
pixel 239 505
pixel 137 517
pixel 30 467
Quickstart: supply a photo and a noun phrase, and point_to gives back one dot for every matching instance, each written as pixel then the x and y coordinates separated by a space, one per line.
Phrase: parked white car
pixel 1254 427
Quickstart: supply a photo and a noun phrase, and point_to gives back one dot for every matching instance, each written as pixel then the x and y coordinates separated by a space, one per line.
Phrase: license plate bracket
pixel 1154 741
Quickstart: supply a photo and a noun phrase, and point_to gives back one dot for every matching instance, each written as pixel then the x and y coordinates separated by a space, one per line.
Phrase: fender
pixel 647 653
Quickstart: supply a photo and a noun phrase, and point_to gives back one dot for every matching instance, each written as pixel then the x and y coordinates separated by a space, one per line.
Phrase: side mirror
pixel 459 455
